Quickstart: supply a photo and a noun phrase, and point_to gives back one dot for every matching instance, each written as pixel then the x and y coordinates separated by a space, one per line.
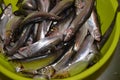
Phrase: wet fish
pixel 21 41
pixel 37 17
pixel 62 5
pixel 79 20
pixel 43 5
pixel 70 67
pixel 80 36
pixel 93 26
pixel 6 16
pixel 58 38
pixel 11 26
pixel 40 61
pixel 45 15
pixel 79 6
pixel 82 59
pixel 38 48
pixel 61 26
pixel 27 4
pixel 60 64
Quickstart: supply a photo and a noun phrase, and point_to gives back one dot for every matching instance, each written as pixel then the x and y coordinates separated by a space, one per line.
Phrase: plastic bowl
pixel 106 10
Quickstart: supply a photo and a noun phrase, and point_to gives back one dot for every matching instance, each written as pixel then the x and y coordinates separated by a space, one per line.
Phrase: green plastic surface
pixel 106 10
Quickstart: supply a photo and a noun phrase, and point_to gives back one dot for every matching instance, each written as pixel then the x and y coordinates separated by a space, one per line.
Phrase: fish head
pixel 97 35
pixel 47 71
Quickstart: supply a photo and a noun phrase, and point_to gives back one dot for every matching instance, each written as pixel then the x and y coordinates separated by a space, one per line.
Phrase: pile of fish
pixel 65 32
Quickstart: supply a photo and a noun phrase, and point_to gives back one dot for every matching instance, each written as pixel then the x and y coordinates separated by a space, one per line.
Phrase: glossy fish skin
pixel 80 36
pixel 21 41
pixel 43 5
pixel 94 55
pixel 64 68
pixel 27 4
pixel 93 26
pixel 79 20
pixel 22 12
pixel 61 26
pixel 35 32
pixel 59 7
pixel 79 4
pixel 41 32
pixel 2 27
pixel 19 57
pixel 73 69
pixel 38 16
pixel 10 28
pixel 54 2
pixel 81 59
pixel 60 64
pixel 6 16
pixel 54 39
pixel 37 48
pixel 62 5
pixel 25 7
pixel 41 61
pixel 84 49
pixel 23 57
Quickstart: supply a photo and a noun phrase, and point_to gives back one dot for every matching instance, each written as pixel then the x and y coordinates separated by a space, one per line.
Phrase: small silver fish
pixel 27 4
pixel 79 4
pixel 79 20
pixel 43 5
pixel 93 26
pixel 80 59
pixel 11 26
pixel 6 16
pixel 80 36
pixel 37 48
